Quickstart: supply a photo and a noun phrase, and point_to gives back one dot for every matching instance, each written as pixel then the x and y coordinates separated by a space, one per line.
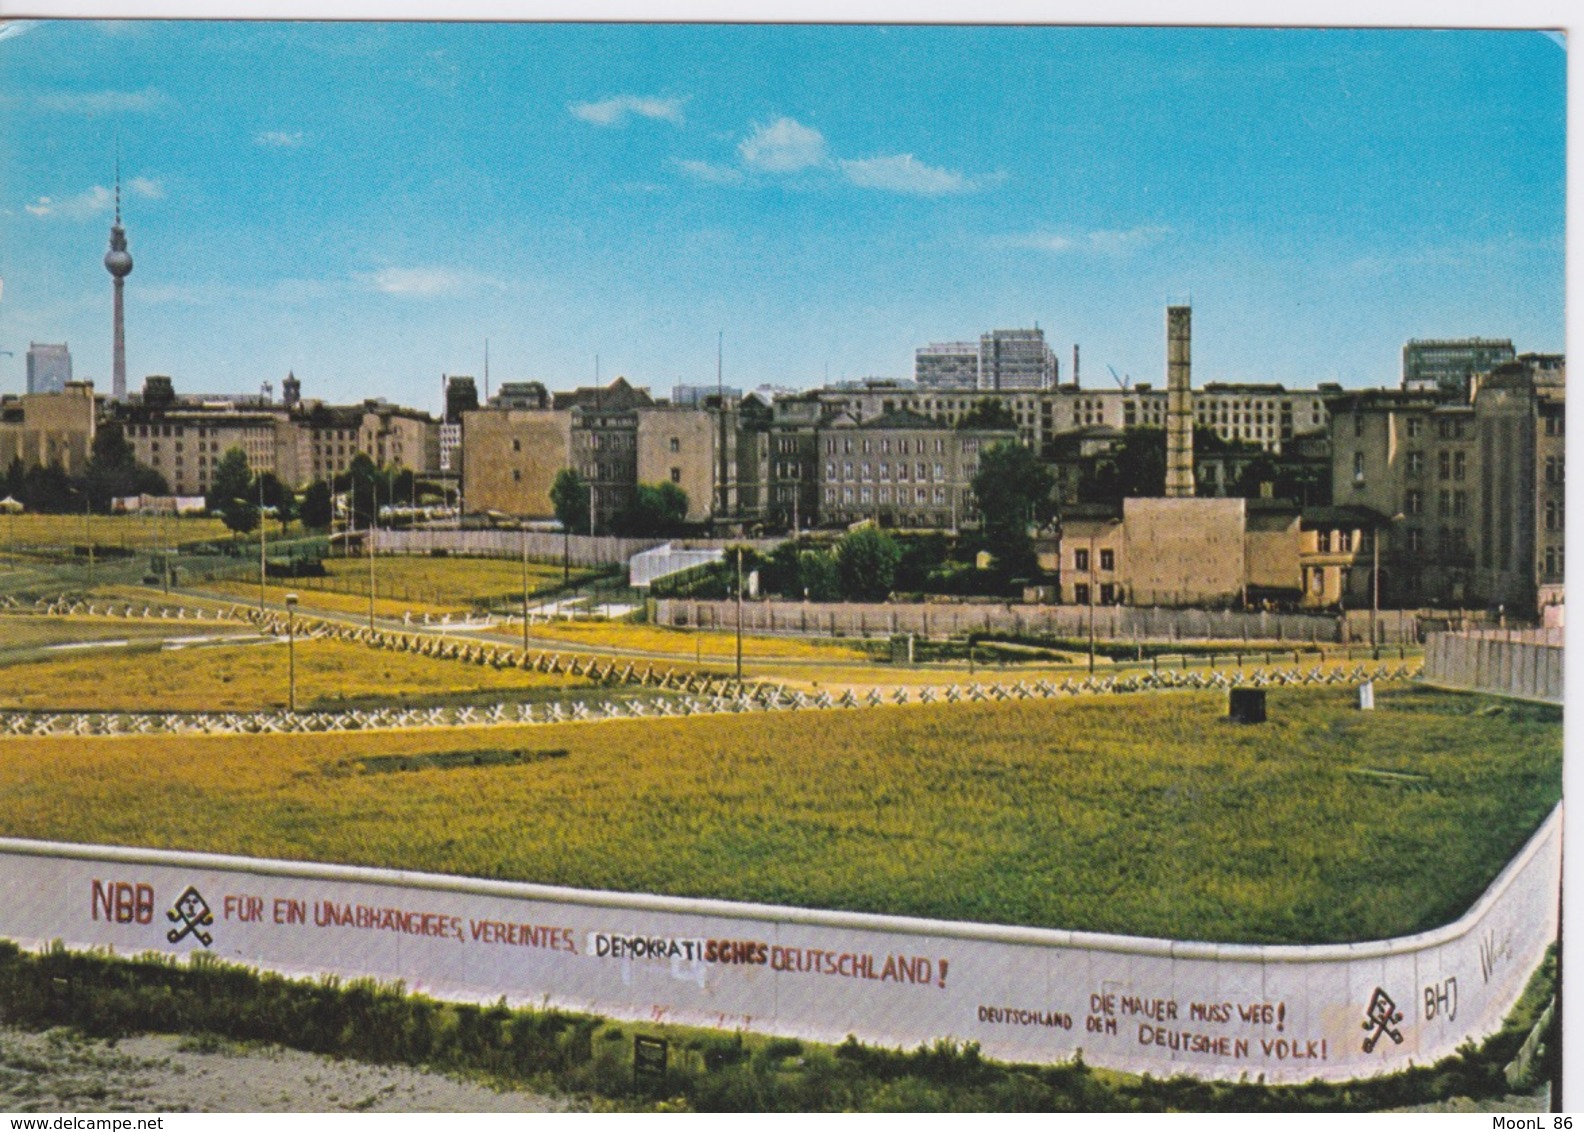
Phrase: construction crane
pixel 1122 382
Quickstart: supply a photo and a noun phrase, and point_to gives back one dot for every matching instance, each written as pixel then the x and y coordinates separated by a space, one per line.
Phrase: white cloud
pixel 105 101
pixel 278 139
pixel 614 111
pixel 711 174
pixel 93 201
pixel 784 146
pixel 1114 242
pixel 11 29
pixel 903 173
pixel 423 282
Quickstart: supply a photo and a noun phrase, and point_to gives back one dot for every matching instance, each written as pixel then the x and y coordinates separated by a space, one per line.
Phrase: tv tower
pixel 118 262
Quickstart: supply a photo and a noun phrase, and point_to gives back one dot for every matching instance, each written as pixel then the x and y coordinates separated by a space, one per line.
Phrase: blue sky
pixel 365 204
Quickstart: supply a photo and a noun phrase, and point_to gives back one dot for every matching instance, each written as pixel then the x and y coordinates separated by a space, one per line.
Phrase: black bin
pixel 1246 705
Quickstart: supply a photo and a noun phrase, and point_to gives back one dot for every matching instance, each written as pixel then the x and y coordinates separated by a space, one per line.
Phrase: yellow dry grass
pixel 26 532
pixel 402 584
pixel 249 678
pixel 688 644
pixel 1139 814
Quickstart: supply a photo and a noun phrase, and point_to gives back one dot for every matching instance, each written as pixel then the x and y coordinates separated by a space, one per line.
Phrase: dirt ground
pixel 58 1071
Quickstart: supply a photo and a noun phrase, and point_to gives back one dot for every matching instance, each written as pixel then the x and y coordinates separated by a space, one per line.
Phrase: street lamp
pixel 739 614
pixel 291 653
pixel 525 587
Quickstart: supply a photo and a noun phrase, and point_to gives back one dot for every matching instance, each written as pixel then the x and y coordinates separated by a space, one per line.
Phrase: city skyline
pixel 380 199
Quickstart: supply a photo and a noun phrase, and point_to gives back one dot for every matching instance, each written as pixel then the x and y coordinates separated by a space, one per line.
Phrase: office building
pixel 49 367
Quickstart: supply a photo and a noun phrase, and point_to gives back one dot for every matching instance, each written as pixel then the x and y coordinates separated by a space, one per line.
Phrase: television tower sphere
pixel 118 261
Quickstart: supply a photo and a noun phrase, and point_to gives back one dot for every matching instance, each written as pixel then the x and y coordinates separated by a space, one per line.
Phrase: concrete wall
pixel 581 550
pixel 1140 1005
pixel 55 428
pixel 948 619
pixel 511 458
pixel 1184 551
pixel 1523 664
pixel 681 446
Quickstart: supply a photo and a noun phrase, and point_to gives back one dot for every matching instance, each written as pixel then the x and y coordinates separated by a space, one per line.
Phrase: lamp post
pixel 1091 604
pixel 88 536
pixel 368 538
pixel 263 535
pixel 525 589
pixel 739 614
pixel 1375 590
pixel 291 653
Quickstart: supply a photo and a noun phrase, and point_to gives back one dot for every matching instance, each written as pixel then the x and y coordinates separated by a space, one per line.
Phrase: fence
pixel 1153 1006
pixel 1523 663
pixel 579 550
pixel 1111 623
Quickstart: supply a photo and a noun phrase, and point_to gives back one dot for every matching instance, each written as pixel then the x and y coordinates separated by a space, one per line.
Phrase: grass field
pixel 250 677
pixel 18 632
pixel 684 643
pixel 1142 814
pixel 29 532
pixel 419 584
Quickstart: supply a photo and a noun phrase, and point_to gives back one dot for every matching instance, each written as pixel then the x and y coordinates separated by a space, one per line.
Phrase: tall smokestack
pixel 1075 365
pixel 1179 403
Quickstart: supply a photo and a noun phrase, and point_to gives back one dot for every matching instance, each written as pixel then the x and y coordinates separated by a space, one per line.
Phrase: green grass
pixel 1143 815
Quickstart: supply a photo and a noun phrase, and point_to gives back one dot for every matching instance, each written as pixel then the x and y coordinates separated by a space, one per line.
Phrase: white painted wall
pixel 1143 1005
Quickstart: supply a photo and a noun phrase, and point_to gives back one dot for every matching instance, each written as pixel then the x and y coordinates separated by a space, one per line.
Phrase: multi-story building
pixel 513 458
pixel 616 438
pixel 297 441
pixel 41 429
pixel 49 367
pixel 1265 414
pixel 1180 552
pixel 947 365
pixel 794 490
pixel 900 469
pixel 1016 359
pixel 1445 365
pixel 1465 484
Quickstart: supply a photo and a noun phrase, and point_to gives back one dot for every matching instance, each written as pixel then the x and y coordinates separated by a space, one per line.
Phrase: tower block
pixel 1179 404
pixel 118 262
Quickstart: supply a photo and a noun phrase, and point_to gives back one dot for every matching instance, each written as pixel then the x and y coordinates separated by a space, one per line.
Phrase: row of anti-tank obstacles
pixel 676 693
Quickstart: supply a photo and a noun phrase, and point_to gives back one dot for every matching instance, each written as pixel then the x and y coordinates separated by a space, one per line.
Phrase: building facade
pixel 1465 484
pixel 900 470
pixel 1446 365
pixel 41 429
pixel 49 367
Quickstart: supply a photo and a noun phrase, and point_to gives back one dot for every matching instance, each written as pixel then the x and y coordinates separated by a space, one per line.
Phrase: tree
pixel 1014 491
pixel 318 505
pixel 366 485
pixel 569 495
pixel 279 496
pixel 1134 469
pixel 818 576
pixel 657 510
pixel 113 472
pixel 866 562
pixel 988 413
pixel 232 492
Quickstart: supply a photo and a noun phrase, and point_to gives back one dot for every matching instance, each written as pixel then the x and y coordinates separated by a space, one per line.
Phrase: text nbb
pixel 123 903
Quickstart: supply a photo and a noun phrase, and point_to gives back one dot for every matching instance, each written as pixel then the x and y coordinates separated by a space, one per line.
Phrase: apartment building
pixel 900 469
pixel 1465 484
pixel 297 441
pixel 41 429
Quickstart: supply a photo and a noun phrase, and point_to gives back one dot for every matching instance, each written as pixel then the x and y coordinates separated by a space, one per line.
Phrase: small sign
pixel 1367 696
pixel 649 1062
